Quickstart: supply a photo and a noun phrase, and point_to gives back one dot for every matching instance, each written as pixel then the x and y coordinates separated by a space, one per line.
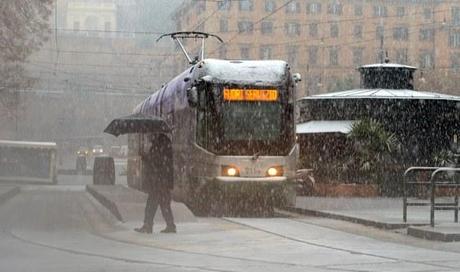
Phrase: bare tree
pixel 24 27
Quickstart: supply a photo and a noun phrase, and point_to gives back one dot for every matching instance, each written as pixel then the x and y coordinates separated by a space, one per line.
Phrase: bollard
pixel 103 171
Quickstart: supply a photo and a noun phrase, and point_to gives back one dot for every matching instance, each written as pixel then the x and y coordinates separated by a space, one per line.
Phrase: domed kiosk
pixel 423 122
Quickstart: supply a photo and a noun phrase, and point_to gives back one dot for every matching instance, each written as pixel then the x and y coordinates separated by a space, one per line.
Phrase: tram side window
pixel 206 136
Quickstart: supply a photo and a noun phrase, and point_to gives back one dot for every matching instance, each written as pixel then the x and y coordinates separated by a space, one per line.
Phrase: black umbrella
pixel 137 123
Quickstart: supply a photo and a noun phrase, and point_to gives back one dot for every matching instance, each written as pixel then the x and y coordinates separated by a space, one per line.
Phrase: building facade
pixel 325 40
pixel 98 63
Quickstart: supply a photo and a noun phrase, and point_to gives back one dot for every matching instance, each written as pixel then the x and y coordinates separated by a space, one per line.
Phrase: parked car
pixel 97 150
pixel 82 151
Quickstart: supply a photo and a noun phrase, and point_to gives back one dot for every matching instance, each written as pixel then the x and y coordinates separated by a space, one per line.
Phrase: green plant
pixel 373 148
pixel 443 158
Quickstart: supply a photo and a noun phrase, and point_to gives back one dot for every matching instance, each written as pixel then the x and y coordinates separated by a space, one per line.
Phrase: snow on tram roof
pixel 383 94
pixel 387 65
pixel 266 71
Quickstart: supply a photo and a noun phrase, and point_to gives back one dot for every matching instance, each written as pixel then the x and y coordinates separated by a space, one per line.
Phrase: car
pixel 82 151
pixel 97 150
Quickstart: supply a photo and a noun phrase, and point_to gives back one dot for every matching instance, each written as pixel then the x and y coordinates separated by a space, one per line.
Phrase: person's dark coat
pixel 158 165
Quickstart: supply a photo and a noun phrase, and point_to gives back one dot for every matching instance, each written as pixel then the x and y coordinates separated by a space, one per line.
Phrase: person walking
pixel 159 184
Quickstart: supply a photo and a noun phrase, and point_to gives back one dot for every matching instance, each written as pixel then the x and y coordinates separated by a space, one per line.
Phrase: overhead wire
pixel 67 81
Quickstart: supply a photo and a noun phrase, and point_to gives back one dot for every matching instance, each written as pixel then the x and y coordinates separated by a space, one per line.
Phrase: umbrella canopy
pixel 137 123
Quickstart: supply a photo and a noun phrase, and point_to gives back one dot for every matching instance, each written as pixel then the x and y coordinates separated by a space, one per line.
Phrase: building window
pixel 358 10
pixel 76 25
pixel 222 52
pixel 245 27
pixel 245 5
pixel 426 60
pixel 313 29
pixel 245 51
pixel 380 56
pixel 334 30
pixel 402 56
pixel 292 54
pixel 456 16
pixel 358 31
pixel 334 8
pixel 292 28
pixel 380 11
pixel 427 13
pixel 426 34
pixel 266 27
pixel 314 8
pixel 270 5
pixel 200 6
pixel 454 39
pixel 358 56
pixel 313 84
pixel 223 26
pixel 312 55
pixel 107 26
pixel 224 4
pixel 401 33
pixel 380 32
pixel 333 56
pixel 266 52
pixel 400 11
pixel 293 7
pixel 455 61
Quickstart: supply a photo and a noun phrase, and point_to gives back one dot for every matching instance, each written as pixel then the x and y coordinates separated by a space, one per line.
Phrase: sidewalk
pixel 127 204
pixel 384 213
pixel 7 192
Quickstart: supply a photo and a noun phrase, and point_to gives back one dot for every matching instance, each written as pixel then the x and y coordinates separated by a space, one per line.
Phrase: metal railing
pixel 406 203
pixel 432 184
pixel 446 184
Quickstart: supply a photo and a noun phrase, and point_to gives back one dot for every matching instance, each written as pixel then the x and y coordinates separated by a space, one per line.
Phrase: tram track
pixel 86 213
pixel 355 252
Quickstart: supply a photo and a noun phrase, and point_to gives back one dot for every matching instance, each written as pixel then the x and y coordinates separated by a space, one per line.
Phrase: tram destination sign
pixel 250 94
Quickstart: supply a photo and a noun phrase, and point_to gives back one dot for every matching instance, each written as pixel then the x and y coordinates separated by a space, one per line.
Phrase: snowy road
pixel 62 228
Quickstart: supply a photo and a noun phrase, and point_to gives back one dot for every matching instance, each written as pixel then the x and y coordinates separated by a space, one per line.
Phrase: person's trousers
pixel 163 199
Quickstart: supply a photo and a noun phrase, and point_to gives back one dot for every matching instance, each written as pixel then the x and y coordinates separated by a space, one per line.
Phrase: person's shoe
pixel 169 230
pixel 144 229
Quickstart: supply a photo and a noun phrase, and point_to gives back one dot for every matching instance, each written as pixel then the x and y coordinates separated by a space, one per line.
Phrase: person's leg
pixel 150 209
pixel 165 206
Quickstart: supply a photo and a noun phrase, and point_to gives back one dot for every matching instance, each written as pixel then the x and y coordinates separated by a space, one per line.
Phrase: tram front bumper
pixel 257 180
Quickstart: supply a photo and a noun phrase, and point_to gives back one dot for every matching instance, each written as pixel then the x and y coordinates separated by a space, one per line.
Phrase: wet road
pixel 62 228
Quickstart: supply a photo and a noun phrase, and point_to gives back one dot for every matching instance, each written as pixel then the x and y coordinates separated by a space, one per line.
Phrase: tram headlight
pixel 275 171
pixel 230 171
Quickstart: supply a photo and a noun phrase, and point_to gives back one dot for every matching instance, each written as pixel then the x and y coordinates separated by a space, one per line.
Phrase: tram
pixel 28 162
pixel 233 133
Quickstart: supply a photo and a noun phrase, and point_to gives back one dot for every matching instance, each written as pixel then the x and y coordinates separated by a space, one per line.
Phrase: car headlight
pixel 275 171
pixel 230 171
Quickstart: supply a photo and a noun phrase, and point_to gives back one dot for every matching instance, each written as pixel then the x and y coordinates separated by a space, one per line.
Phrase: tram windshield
pixel 249 120
pixel 246 126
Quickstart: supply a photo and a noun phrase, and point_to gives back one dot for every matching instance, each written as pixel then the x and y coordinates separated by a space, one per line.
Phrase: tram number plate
pixel 250 171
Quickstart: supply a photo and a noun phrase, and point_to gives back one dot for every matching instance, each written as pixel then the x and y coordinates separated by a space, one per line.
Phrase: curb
pixel 108 204
pixel 9 194
pixel 365 222
pixel 433 235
